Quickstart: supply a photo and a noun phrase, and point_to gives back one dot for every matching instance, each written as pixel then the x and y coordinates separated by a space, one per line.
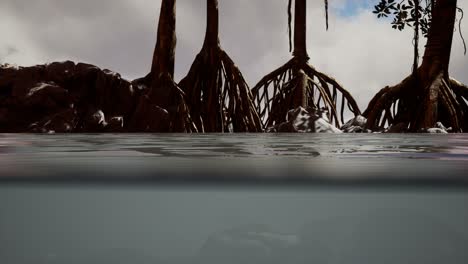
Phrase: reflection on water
pixel 308 153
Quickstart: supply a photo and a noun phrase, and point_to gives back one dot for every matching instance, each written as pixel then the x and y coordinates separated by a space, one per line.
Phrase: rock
pixel 356 129
pixel 115 124
pixel 60 72
pixel 114 95
pixel 286 127
pixel 149 117
pixel 62 122
pixel 46 95
pixel 441 126
pixel 22 80
pixel 436 131
pixel 95 121
pixel 39 92
pixel 302 120
pixel 398 128
pixel 355 125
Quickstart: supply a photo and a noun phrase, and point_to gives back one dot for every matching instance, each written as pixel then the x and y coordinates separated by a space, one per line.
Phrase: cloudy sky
pixel 361 52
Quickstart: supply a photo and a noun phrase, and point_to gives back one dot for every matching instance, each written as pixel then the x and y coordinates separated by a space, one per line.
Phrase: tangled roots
pixel 163 109
pixel 442 100
pixel 174 101
pixel 218 96
pixel 298 84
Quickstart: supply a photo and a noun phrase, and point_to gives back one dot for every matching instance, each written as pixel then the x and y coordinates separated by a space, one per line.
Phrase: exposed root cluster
pixel 176 105
pixel 173 114
pixel 420 105
pixel 218 96
pixel 298 84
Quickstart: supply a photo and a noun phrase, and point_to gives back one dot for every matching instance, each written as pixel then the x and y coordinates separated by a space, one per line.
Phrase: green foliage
pixel 407 13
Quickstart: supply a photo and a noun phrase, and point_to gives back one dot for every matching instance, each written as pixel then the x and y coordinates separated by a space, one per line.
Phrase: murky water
pixel 223 224
pixel 308 155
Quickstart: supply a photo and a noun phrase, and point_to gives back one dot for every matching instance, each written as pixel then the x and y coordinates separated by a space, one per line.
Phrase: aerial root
pixel 395 105
pixel 442 101
pixel 461 94
pixel 215 82
pixel 175 104
pixel 298 84
pixel 163 109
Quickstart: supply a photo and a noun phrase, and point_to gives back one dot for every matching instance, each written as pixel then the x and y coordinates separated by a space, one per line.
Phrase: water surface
pixel 263 155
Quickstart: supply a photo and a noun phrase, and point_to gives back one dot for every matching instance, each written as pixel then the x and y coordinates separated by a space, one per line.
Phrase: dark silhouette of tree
pixel 163 92
pixel 428 95
pixel 298 84
pixel 217 94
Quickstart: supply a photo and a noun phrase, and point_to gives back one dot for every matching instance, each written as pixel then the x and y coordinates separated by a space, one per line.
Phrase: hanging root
pixel 326 13
pixel 298 84
pixel 418 106
pixel 218 96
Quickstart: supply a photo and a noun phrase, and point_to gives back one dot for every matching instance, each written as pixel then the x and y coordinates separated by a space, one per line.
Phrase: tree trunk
pixel 164 52
pixel 436 61
pixel 300 30
pixel 431 97
pixel 439 44
pixel 217 94
pixel 163 108
pixel 212 24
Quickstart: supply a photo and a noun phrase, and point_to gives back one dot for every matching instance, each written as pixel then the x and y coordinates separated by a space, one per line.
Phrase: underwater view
pixel 233 198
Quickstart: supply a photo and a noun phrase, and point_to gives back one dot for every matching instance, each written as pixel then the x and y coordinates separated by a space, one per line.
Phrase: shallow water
pixel 223 224
pixel 133 156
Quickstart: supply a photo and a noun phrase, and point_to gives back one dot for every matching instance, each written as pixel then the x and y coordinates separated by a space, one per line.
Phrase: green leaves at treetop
pixel 406 13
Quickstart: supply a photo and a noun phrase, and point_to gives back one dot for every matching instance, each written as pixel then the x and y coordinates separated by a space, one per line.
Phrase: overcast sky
pixel 361 52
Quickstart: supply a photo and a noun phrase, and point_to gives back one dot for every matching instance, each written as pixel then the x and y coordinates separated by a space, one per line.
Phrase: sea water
pixel 53 211
pixel 132 156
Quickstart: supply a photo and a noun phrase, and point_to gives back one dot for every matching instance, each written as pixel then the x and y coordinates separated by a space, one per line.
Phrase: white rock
pixel 436 131
pixel 351 125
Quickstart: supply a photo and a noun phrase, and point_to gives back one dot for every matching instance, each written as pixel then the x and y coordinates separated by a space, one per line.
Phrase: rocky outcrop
pixel 65 97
